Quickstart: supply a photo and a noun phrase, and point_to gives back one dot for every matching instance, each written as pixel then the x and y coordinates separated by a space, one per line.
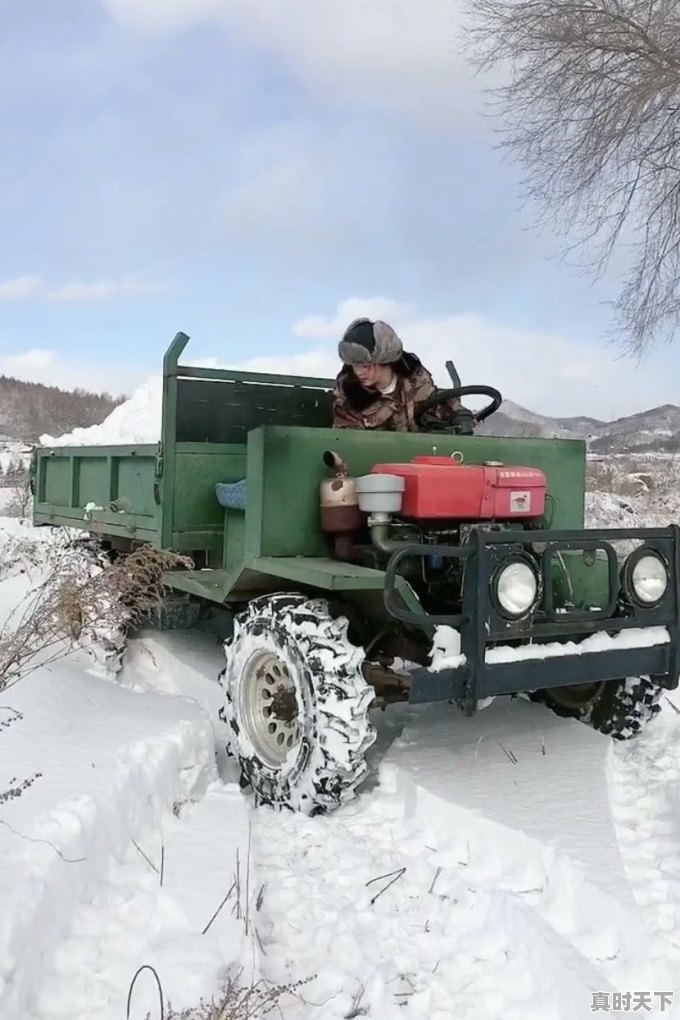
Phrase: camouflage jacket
pixel 355 407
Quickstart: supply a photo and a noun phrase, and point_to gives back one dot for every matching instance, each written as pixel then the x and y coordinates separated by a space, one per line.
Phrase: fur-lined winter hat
pixel 370 343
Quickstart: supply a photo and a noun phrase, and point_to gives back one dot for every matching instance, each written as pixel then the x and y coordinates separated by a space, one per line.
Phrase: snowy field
pixel 505 867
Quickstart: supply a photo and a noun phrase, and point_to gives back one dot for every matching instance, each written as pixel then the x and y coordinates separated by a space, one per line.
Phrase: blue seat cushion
pixel 231 495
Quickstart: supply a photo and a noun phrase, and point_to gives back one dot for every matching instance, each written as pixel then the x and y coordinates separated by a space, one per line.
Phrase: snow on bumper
pixel 632 652
pixel 446 646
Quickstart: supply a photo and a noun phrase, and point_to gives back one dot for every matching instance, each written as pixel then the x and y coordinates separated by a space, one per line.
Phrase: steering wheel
pixel 460 420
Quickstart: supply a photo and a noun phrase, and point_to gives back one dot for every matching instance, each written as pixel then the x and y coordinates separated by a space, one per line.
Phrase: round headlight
pixel 516 588
pixel 649 579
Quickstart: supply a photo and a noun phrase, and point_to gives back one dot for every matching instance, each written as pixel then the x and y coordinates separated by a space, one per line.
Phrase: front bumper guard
pixel 475 675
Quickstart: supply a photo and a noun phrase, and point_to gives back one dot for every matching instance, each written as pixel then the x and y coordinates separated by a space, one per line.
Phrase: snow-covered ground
pixel 505 866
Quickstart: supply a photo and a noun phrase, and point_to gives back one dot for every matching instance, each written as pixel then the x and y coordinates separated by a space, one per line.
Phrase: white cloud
pixel 27 364
pixel 546 372
pixel 23 287
pixel 395 53
pixel 20 287
pixel 319 328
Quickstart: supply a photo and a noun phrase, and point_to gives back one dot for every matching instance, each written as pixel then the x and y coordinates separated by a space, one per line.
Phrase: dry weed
pixel 239 1002
pixel 630 477
pixel 82 600
pixel 236 1001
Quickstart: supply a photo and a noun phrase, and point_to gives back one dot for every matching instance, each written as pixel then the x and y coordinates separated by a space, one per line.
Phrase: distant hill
pixel 27 410
pixel 653 431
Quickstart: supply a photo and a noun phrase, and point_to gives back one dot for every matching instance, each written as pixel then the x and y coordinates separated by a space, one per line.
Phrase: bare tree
pixel 21 499
pixel 589 97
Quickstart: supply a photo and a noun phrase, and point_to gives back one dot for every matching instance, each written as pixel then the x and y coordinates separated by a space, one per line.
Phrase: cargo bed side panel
pixel 117 483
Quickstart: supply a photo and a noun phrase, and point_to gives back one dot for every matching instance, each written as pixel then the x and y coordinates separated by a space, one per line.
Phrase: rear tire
pixel 296 704
pixel 618 708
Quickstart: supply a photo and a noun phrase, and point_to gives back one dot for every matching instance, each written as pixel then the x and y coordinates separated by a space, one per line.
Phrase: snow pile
pixel 107 865
pixel 136 421
pixel 130 758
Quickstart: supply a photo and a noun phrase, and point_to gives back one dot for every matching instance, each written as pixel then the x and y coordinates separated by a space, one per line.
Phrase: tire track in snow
pixel 517 777
pixel 439 942
pixel 645 793
pixel 531 910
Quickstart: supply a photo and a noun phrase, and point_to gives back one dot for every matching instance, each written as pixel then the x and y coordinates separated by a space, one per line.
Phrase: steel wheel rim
pixel 579 696
pixel 269 708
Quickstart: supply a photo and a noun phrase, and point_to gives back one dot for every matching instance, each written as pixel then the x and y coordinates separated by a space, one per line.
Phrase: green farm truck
pixel 351 570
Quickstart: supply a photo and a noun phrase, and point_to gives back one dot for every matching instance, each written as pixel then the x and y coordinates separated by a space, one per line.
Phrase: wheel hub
pixel 578 696
pixel 270 708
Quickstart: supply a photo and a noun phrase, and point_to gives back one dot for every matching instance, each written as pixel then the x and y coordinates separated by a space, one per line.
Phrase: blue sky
pixel 255 176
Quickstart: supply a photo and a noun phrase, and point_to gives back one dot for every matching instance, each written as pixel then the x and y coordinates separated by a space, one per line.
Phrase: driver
pixel 381 384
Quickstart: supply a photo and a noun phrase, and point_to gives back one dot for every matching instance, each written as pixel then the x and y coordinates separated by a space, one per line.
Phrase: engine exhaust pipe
pixel 333 460
pixel 340 513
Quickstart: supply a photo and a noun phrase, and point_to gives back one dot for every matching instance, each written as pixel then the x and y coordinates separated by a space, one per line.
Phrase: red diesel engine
pixel 443 488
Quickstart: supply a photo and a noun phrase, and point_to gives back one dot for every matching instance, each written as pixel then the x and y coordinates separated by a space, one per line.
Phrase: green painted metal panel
pixel 213 585
pixel 234 538
pixel 587 583
pixel 283 518
pixel 255 495
pixel 224 412
pixel 320 572
pixel 286 572
pixel 196 473
pixel 198 518
pixel 113 478
pixel 134 478
pixel 231 375
pixel 93 485
pixel 329 574
pixel 123 450
pixel 108 526
pixel 168 458
pixel 57 482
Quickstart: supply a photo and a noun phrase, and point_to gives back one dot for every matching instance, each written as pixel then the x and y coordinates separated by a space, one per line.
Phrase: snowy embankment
pixel 112 765
pixel 101 835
